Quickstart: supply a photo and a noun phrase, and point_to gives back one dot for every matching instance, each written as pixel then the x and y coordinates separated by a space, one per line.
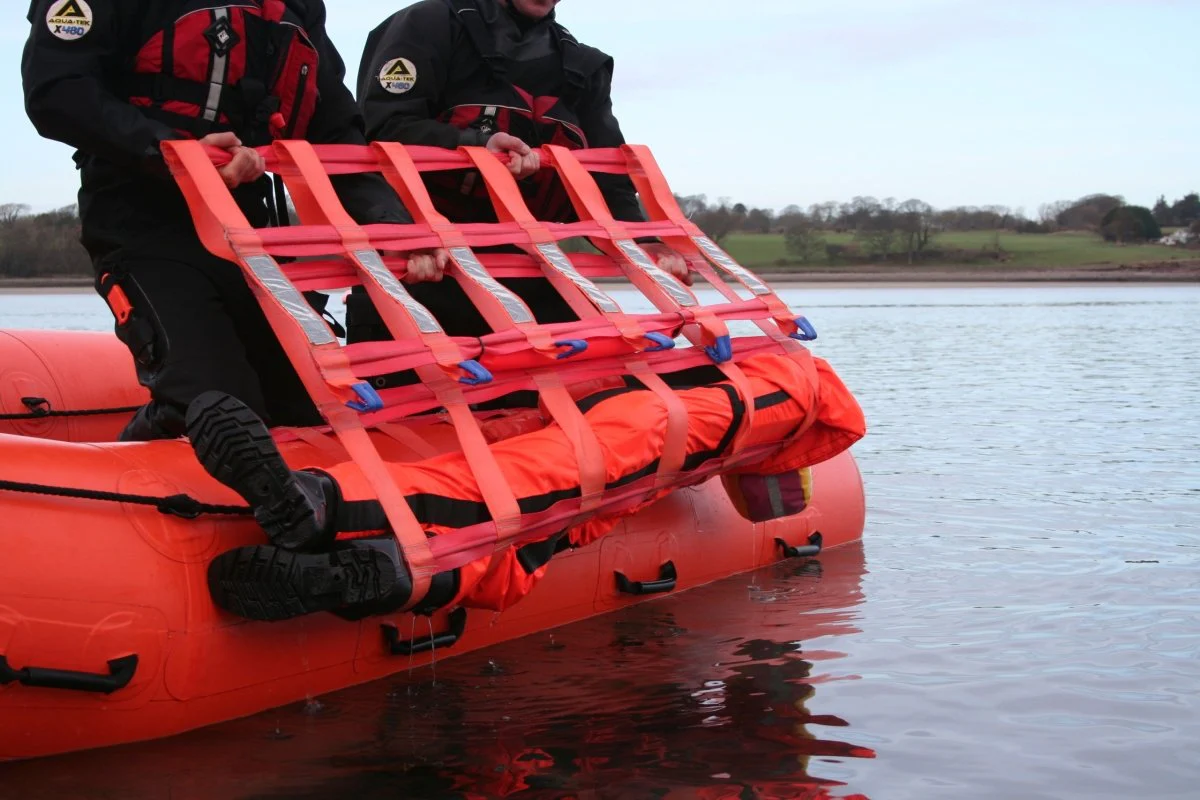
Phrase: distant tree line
pixel 887 229
pixel 47 244
pixel 1183 213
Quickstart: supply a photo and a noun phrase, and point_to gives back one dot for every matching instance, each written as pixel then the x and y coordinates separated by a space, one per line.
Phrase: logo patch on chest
pixel 69 19
pixel 222 37
pixel 398 76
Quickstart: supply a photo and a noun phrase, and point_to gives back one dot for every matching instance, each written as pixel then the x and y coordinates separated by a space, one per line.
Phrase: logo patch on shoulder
pixel 398 76
pixel 69 19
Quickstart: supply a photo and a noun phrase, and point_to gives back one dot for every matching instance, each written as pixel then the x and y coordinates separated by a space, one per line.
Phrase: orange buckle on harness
pixel 118 303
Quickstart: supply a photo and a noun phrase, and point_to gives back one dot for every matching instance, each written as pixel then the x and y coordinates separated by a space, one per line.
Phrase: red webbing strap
pixel 662 288
pixel 400 171
pixel 409 438
pixel 675 440
pixel 314 195
pixel 312 348
pixel 317 203
pixel 224 230
pixel 501 309
pixel 316 440
pixel 589 456
pixel 585 298
pixel 660 202
pixel 510 207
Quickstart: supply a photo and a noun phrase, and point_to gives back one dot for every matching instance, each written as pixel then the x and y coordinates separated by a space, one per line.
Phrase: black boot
pixel 296 509
pixel 268 583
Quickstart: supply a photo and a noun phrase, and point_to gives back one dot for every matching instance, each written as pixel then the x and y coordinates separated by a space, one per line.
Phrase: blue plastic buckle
pixel 478 374
pixel 577 346
pixel 369 399
pixel 722 351
pixel 807 332
pixel 661 342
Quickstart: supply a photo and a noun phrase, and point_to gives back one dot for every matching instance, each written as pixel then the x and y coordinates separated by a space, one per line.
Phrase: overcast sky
pixel 771 102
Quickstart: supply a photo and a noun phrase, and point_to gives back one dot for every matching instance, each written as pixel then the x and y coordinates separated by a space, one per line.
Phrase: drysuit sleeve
pixel 413 48
pixel 70 50
pixel 366 196
pixel 602 130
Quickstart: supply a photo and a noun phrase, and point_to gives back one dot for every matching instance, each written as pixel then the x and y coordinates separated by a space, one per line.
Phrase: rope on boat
pixel 40 408
pixel 178 505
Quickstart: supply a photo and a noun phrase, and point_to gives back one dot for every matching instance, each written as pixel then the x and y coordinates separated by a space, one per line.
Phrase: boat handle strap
pixel 401 647
pixel 121 672
pixel 807 551
pixel 665 582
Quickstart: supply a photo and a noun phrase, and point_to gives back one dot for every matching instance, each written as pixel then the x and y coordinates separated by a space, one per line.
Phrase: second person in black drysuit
pixel 501 74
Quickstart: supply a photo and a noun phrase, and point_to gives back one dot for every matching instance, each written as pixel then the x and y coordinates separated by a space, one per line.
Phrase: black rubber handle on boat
pixel 121 672
pixel 811 549
pixel 665 582
pixel 401 647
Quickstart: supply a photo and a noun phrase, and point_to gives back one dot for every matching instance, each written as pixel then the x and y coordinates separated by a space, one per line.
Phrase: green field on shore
pixel 1070 249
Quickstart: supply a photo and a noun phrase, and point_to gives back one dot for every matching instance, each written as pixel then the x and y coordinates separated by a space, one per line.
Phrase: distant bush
pixel 1130 224
pixel 804 241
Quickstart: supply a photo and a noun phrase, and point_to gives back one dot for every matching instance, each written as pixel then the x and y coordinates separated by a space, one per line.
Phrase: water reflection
pixel 713 694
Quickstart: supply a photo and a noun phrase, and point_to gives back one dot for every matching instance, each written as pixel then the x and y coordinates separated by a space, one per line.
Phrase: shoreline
pixel 1172 272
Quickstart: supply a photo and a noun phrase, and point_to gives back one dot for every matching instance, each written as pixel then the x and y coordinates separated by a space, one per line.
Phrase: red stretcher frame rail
pixel 523 353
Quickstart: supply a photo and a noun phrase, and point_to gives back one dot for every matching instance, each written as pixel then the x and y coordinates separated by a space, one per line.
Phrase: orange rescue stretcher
pixel 107 632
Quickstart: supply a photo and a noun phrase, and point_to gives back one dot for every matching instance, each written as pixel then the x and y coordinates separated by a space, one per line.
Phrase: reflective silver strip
pixel 642 261
pixel 559 260
pixel 468 263
pixel 722 260
pixel 775 496
pixel 269 274
pixel 370 261
pixel 216 78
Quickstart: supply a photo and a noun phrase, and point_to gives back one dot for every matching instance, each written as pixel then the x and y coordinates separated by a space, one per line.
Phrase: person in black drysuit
pixel 98 75
pixel 501 74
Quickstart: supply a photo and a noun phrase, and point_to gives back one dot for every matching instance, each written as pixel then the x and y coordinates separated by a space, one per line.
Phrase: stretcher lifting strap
pixel 667 293
pixel 660 201
pixel 445 364
pixel 503 311
pixel 306 339
pixel 588 301
pixel 316 201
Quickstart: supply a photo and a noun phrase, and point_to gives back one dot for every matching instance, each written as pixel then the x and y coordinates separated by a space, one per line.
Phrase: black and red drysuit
pixel 114 78
pixel 449 73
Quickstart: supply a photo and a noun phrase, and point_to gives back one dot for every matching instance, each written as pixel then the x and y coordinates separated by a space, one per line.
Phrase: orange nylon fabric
pixel 540 465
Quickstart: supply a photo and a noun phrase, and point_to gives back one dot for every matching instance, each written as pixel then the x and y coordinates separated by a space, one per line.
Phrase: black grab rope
pixel 40 408
pixel 178 505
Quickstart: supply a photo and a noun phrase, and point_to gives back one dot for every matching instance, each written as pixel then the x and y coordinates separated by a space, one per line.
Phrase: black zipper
pixel 300 87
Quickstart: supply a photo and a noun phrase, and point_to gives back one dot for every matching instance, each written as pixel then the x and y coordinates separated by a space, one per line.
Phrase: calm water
pixel 1022 620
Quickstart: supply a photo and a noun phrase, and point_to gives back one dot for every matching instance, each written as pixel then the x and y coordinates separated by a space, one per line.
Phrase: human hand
pixel 245 166
pixel 670 262
pixel 523 161
pixel 426 266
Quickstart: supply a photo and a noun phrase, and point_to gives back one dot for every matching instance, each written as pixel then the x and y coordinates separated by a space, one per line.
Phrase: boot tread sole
pixel 268 583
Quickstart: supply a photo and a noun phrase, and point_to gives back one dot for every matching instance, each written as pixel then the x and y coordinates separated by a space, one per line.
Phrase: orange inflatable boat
pixel 108 631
